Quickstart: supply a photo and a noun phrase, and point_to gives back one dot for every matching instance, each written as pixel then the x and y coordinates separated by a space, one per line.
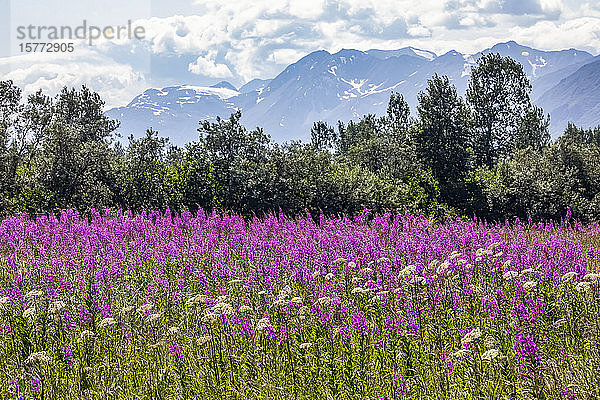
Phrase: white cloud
pixel 245 39
pixel 583 33
pixel 208 67
pixel 117 83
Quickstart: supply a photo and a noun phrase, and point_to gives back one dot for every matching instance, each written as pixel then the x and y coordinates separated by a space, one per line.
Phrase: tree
pixel 532 130
pixel 10 107
pixel 74 166
pixel 143 172
pixel 442 136
pixel 236 156
pixel 498 95
pixel 322 136
pixel 398 115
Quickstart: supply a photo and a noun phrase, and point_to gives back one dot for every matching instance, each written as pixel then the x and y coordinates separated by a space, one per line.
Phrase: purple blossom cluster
pixel 392 295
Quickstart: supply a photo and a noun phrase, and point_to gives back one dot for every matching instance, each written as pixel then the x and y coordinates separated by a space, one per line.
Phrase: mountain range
pixel 350 83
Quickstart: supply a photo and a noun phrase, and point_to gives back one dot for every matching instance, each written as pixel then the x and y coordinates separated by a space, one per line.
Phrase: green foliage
pixel 489 156
pixel 442 136
pixel 503 117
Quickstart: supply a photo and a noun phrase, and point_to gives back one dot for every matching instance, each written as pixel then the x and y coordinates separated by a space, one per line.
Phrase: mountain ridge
pixel 345 85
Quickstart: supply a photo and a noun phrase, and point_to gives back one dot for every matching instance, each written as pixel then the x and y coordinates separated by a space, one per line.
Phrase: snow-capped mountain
pixel 340 86
pixel 175 111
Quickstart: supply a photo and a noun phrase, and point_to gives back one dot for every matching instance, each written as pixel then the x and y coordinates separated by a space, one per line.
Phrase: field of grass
pixel 155 306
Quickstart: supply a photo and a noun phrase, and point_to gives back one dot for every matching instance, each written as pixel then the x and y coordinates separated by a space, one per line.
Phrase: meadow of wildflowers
pixel 156 306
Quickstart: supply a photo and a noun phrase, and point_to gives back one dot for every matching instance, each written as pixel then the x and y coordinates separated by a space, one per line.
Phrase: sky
pixel 202 42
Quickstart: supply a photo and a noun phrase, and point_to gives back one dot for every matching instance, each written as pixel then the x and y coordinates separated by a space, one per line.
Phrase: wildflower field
pixel 155 306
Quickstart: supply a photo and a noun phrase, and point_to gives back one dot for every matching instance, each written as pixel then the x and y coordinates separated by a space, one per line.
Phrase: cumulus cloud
pixel 246 39
pixel 117 83
pixel 582 33
pixel 206 65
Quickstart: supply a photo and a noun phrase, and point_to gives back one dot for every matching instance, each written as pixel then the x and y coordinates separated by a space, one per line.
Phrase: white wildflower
pixel 154 317
pixel 508 275
pixel 194 300
pixel 471 336
pixel 144 308
pixel 29 313
pixel 591 277
pixel 210 318
pixel 39 357
pixel 262 293
pixel 33 294
pixel 56 307
pixel 329 277
pixel 203 339
pixel 359 290
pixel 280 303
pixel 324 301
pixel 107 322
pixel 263 324
pixel 85 336
pixel 296 300
pixel 303 310
pixel 460 353
pixel 568 276
pixel 245 308
pixel 223 308
pixel 366 271
pixel 583 286
pixel 234 281
pixel 285 292
pixel 408 270
pixel 529 285
pixel 479 252
pixel 383 259
pixel 490 354
pixel 499 254
pixel 351 265
pixel 492 246
pixel 443 268
pixel 528 271
pixel 173 330
pixel 127 309
pixel 222 299
pixel 489 342
pixel 305 346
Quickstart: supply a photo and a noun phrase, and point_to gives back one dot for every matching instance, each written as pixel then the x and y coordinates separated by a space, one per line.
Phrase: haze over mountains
pixel 350 83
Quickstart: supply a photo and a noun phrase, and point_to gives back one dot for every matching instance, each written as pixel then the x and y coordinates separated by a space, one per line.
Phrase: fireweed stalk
pixel 211 306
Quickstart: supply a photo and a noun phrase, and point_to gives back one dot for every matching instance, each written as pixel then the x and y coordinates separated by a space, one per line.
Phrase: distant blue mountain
pixel 576 98
pixel 351 83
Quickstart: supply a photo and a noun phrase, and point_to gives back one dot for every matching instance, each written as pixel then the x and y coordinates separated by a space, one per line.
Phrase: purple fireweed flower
pixel 399 384
pixel 568 395
pixel 528 355
pixel 175 350
pixel 35 387
pixel 13 388
pixel 68 354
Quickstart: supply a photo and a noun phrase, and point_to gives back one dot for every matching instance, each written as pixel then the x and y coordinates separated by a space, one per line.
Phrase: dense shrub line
pixel 488 155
